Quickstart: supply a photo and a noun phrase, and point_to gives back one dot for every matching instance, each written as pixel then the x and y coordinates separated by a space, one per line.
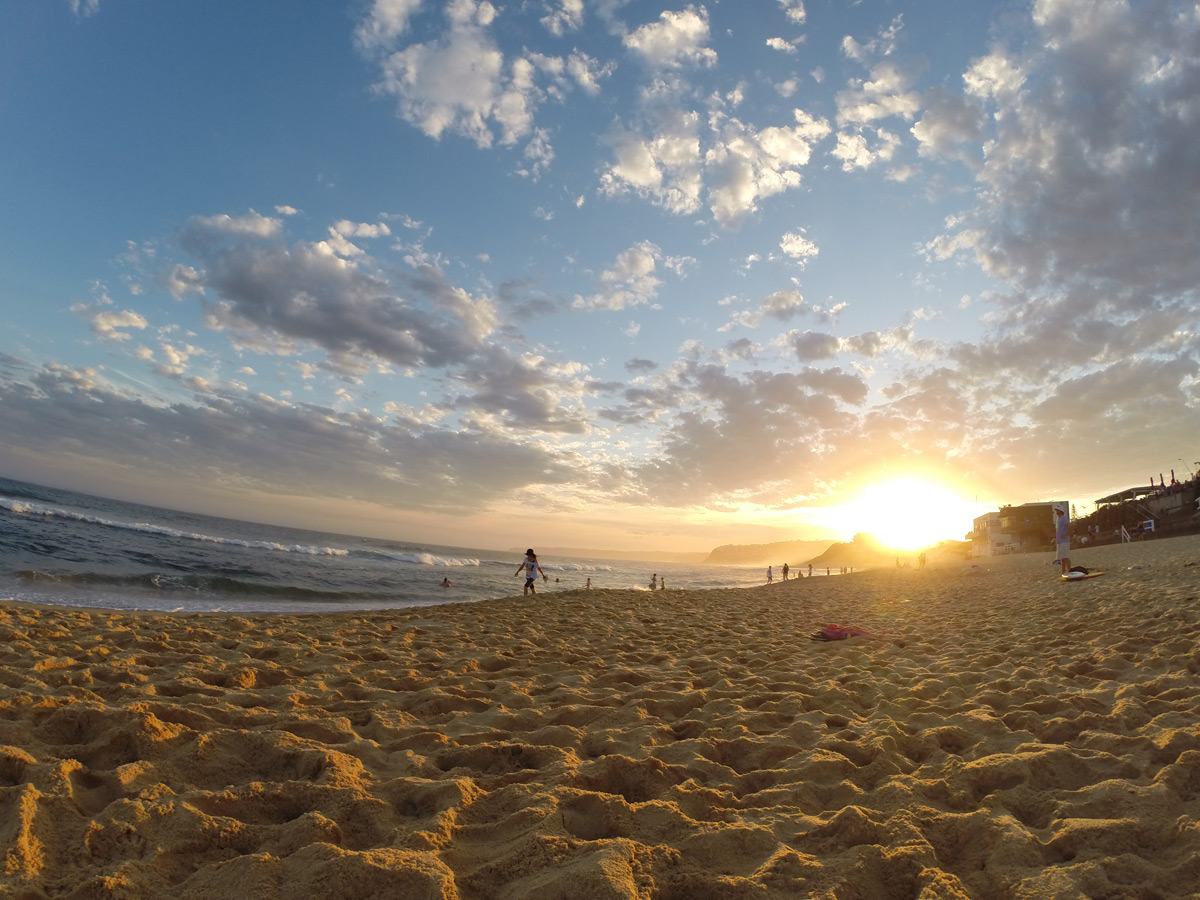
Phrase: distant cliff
pixel 791 552
pixel 634 555
pixel 865 553
pixel 861 553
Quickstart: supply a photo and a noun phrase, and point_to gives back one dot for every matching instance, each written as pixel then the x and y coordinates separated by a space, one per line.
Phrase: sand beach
pixel 1001 735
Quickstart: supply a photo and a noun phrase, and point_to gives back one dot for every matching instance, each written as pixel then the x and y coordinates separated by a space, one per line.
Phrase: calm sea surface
pixel 63 547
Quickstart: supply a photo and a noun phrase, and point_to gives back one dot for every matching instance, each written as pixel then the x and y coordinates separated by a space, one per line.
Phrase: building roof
pixel 1128 494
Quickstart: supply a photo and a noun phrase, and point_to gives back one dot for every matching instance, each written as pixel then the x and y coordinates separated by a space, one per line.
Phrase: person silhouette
pixel 531 567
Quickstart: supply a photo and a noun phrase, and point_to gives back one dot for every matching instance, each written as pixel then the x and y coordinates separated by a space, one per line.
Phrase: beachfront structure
pixel 988 537
pixel 1164 511
pixel 1015 529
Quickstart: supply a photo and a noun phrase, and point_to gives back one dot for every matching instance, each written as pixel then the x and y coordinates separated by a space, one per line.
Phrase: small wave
pixel 427 559
pixel 24 508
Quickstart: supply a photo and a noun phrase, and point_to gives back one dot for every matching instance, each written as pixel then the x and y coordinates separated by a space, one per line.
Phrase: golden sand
pixel 1004 736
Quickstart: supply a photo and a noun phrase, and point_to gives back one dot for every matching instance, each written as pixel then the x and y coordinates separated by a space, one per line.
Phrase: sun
pixel 909 513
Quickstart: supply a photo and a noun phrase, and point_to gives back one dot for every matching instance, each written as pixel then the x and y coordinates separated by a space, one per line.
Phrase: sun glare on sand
pixel 909 513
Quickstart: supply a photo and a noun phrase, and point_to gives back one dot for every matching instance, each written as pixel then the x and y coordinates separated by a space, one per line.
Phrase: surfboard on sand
pixel 1079 576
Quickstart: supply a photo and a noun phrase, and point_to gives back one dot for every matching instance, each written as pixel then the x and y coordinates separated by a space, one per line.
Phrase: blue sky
pixel 608 274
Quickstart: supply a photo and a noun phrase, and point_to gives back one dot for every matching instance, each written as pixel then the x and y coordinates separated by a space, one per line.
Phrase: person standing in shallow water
pixel 531 567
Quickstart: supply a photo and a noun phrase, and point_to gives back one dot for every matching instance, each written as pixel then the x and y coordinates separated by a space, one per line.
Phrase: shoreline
pixel 1002 735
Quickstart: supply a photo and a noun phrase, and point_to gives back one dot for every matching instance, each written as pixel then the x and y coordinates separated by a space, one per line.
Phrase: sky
pixel 599 273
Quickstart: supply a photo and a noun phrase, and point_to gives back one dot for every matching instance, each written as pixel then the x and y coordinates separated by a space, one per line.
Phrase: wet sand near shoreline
pixel 1000 735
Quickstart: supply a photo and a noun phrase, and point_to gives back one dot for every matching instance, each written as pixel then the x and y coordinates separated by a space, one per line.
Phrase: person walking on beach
pixel 654 582
pixel 785 571
pixel 530 566
pixel 1062 537
pixel 770 575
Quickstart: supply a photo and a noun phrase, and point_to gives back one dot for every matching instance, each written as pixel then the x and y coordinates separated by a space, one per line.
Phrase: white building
pixel 1015 529
pixel 988 537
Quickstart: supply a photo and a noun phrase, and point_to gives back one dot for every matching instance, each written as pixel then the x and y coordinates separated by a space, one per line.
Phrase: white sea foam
pixel 429 559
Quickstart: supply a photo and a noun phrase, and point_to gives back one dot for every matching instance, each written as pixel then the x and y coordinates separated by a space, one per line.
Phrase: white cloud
pixel 524 390
pixel 347 228
pixel 780 305
pixel 1064 183
pixel 587 72
pixel 455 83
pixel 386 21
pixel 84 8
pixel 885 95
pixel 250 224
pixel 664 168
pixel 107 322
pixel 461 82
pixel 798 246
pixel 676 39
pixel 787 88
pixel 794 10
pixel 178 356
pixel 745 166
pixel 540 154
pixel 180 279
pixel 949 123
pixel 564 16
pixel 811 346
pixel 402 464
pixel 736 437
pixel 631 281
pixel 783 305
pixel 858 151
pixel 994 76
pixel 275 297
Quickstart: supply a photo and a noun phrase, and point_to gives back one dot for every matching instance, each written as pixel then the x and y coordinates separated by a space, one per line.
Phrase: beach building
pixel 1015 529
pixel 988 538
pixel 1166 510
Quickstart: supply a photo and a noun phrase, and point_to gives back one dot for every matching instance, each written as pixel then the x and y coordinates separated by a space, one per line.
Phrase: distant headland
pixel 861 553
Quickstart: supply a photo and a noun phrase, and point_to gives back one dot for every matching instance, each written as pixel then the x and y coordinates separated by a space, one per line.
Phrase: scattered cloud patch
pixel 676 39
pixel 630 281
pixel 798 246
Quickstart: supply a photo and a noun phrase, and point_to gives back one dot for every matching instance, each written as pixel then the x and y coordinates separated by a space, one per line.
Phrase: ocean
pixel 67 548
